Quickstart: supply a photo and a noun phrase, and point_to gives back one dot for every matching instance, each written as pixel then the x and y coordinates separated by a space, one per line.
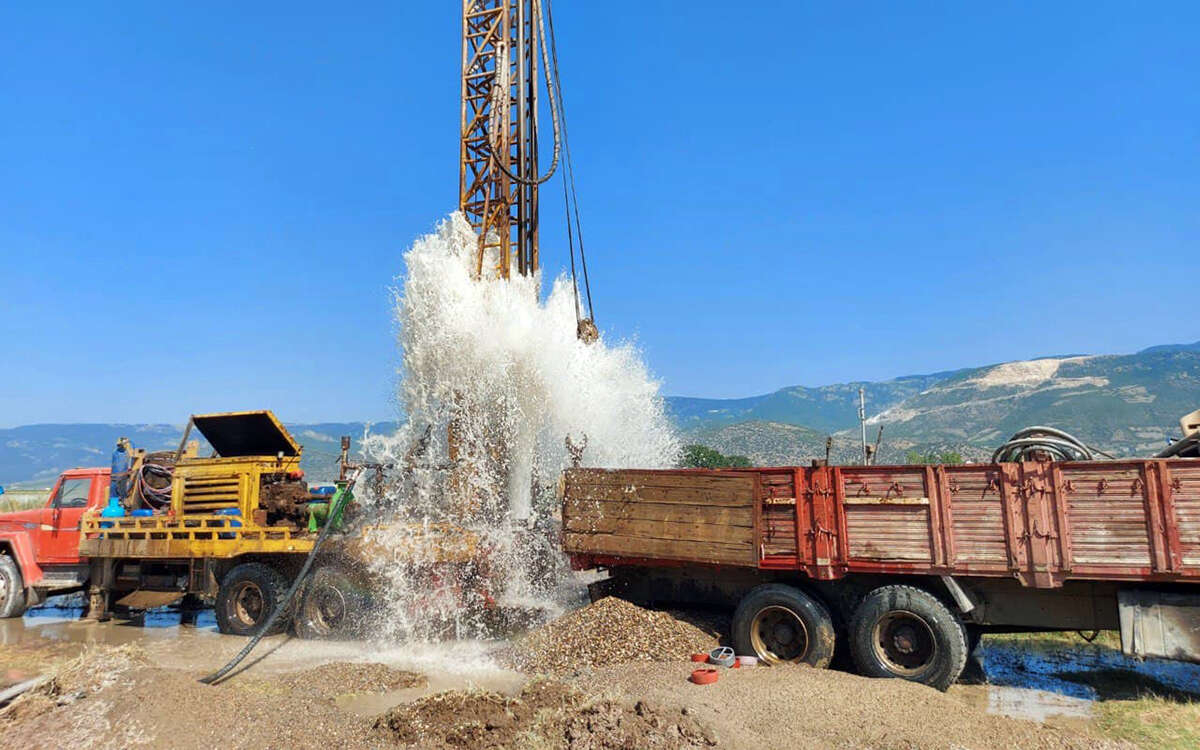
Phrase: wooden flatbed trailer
pixel 905 565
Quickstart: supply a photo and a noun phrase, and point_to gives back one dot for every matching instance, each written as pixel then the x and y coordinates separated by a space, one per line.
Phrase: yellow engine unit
pixel 216 505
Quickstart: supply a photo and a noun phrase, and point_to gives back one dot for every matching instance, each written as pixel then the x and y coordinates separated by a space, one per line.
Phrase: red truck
pixel 39 548
pixel 904 566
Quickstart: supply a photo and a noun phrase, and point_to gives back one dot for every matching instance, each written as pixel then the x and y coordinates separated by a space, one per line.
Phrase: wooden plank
pixel 667 530
pixel 605 544
pixel 886 501
pixel 640 493
pixel 739 486
pixel 732 516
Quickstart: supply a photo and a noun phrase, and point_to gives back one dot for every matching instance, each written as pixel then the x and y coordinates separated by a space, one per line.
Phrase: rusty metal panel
pixel 887 513
pixel 978 525
pixel 1162 624
pixel 1184 485
pixel 779 505
pixel 1106 508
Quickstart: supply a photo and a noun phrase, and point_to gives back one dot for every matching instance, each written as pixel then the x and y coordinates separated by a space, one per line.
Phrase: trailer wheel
pixel 782 624
pixel 333 606
pixel 902 631
pixel 248 594
pixel 12 592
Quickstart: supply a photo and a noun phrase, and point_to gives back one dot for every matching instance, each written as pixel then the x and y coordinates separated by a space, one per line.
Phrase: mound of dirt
pixel 545 714
pixel 610 631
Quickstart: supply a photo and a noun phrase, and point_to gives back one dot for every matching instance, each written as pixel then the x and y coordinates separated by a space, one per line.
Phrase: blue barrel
pixel 114 509
pixel 141 512
pixel 233 522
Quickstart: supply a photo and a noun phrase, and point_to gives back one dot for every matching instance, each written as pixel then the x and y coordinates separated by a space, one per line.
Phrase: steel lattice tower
pixel 499 124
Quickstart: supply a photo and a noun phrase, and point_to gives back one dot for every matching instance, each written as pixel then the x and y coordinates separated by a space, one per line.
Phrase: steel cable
pixel 554 114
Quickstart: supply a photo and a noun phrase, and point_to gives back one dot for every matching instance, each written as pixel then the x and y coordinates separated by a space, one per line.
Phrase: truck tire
pixel 12 588
pixel 247 596
pixel 902 631
pixel 781 624
pixel 334 606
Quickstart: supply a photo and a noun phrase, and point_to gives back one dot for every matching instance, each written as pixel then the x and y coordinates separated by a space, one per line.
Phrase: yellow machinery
pixel 217 504
pixel 238 525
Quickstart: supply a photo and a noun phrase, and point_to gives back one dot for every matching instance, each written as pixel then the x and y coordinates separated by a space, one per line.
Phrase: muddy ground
pixel 120 685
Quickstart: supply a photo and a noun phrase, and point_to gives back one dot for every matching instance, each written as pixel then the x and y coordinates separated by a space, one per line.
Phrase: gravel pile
pixel 610 631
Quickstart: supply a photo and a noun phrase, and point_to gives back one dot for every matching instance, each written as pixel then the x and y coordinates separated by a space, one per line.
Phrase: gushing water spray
pixel 507 376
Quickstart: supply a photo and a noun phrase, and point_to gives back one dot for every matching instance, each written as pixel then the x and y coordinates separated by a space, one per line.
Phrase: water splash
pixel 485 361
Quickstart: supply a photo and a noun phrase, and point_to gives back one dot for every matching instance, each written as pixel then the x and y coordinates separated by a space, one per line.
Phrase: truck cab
pixel 39 548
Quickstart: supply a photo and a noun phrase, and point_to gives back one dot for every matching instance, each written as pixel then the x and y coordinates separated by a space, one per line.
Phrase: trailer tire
pixel 781 624
pixel 247 596
pixel 12 588
pixel 333 606
pixel 905 632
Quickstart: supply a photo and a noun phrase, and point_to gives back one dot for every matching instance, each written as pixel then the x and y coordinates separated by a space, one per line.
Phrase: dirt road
pixel 143 692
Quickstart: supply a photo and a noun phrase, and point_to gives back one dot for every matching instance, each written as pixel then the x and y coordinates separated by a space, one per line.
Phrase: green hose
pixel 340 499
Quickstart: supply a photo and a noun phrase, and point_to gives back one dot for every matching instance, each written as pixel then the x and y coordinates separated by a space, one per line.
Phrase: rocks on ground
pixel 546 714
pixel 609 631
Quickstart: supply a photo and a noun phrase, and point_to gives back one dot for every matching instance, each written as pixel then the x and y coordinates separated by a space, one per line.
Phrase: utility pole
pixel 862 422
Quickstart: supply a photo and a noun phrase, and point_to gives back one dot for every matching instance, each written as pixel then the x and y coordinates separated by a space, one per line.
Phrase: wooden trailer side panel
pixel 1180 488
pixel 693 516
pixel 977 508
pixel 1041 523
pixel 889 513
pixel 1107 509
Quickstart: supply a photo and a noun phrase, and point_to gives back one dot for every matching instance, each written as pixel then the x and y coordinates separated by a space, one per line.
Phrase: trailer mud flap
pixel 1162 624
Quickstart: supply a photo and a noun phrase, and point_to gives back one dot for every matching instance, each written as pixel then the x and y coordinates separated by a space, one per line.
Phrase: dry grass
pixel 1151 721
pixel 1109 638
pixel 15 500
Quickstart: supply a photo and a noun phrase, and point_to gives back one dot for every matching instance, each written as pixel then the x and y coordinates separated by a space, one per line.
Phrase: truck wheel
pixel 333 606
pixel 248 594
pixel 12 592
pixel 781 624
pixel 902 631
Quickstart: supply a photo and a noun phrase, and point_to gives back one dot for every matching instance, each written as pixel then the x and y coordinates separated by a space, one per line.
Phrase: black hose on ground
pixel 291 594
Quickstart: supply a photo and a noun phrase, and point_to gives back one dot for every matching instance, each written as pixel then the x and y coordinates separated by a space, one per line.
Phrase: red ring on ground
pixel 700 657
pixel 704 676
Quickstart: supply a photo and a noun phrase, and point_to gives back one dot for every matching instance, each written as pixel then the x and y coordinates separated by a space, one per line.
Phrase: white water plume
pixel 486 362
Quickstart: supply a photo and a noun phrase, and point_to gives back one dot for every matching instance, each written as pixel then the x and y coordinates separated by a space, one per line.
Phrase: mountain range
pixel 1124 405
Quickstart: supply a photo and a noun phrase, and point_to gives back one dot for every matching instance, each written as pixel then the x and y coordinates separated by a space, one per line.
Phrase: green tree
pixel 946 458
pixel 696 456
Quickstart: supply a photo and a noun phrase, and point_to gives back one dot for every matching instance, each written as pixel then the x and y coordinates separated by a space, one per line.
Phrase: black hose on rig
pixel 291 594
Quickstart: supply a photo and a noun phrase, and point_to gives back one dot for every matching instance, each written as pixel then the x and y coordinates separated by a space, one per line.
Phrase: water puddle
pixel 1035 705
pixel 1037 682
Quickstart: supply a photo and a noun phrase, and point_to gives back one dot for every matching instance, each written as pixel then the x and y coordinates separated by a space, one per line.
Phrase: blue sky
pixel 203 206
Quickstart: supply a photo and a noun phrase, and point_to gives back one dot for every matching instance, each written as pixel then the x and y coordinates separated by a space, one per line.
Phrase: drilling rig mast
pixel 499 132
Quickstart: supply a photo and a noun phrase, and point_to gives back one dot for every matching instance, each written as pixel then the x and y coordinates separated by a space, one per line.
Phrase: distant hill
pixel 33 455
pixel 1127 405
pixel 825 408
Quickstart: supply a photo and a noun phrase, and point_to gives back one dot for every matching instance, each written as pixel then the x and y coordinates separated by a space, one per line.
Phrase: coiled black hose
pixel 1060 445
